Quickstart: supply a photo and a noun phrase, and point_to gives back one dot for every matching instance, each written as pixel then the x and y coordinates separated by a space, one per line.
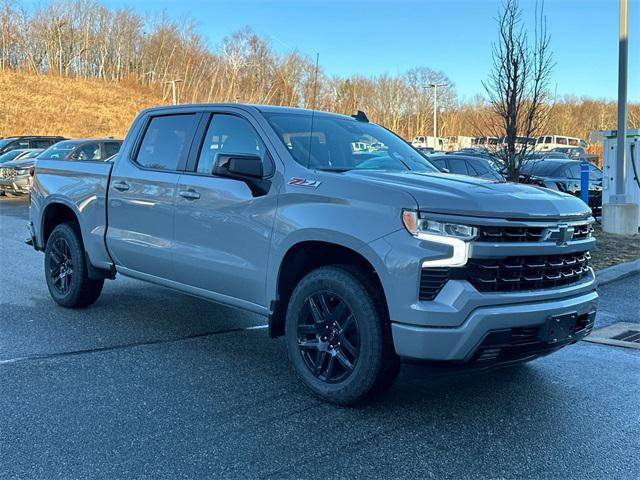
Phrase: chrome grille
pixel 7 173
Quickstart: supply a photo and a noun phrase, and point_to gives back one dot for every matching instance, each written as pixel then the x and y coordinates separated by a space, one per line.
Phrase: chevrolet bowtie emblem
pixel 565 234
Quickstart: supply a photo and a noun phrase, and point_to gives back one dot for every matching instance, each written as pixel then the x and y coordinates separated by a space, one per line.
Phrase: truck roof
pixel 248 106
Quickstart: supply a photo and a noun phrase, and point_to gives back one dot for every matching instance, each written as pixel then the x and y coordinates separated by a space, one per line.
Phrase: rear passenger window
pixel 42 143
pixel 111 148
pixel 230 134
pixel 166 142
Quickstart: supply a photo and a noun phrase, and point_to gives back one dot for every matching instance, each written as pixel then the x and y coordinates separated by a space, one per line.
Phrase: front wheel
pixel 66 269
pixel 338 337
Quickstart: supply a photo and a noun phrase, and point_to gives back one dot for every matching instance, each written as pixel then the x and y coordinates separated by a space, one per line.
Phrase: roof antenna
pixel 313 107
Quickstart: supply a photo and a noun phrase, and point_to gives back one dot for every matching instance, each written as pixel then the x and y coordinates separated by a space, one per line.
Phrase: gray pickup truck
pixel 357 249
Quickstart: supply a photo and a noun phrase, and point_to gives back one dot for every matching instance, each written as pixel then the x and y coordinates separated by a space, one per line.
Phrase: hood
pixel 26 163
pixel 462 195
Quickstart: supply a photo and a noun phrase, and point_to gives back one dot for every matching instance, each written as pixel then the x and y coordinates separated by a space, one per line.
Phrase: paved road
pixel 153 384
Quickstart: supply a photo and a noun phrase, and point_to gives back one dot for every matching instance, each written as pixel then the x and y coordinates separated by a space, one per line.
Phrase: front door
pixel 142 195
pixel 223 226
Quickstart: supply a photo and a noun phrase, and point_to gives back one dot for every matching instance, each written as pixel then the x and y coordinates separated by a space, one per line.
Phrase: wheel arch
pixel 306 255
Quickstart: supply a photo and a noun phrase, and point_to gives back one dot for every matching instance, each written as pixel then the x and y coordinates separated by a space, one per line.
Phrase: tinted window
pixel 544 168
pixel 111 148
pixel 458 165
pixel 166 141
pixel 438 161
pixel 547 140
pixel 230 134
pixel 573 171
pixel 42 143
pixel 87 151
pixel 595 174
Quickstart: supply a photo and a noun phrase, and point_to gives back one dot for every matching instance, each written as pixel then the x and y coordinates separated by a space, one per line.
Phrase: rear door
pixel 223 226
pixel 142 191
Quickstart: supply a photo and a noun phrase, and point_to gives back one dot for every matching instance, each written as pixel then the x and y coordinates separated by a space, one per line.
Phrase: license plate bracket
pixel 559 328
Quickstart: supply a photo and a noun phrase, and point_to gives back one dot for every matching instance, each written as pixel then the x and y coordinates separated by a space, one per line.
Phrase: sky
pixel 372 37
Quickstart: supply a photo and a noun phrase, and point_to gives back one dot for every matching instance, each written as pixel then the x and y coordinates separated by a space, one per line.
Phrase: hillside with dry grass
pixel 52 105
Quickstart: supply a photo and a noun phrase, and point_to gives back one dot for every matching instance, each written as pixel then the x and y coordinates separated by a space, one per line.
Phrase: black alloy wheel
pixel 328 337
pixel 61 266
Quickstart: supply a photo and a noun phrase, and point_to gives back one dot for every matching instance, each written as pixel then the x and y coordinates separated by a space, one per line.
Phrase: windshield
pixel 10 155
pixel 342 144
pixel 4 141
pixel 58 150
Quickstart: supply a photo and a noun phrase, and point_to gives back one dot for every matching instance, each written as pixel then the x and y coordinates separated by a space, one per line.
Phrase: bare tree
pixel 517 87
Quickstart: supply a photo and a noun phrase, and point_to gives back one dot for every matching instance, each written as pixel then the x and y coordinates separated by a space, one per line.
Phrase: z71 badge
pixel 304 182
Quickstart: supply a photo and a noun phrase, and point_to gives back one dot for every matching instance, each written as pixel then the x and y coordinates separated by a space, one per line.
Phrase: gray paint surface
pixel 228 245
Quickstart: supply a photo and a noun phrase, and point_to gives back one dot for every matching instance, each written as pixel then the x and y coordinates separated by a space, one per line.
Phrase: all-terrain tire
pixel 376 366
pixel 66 270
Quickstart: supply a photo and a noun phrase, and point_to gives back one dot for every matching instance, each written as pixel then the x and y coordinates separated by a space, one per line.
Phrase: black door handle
pixel 121 186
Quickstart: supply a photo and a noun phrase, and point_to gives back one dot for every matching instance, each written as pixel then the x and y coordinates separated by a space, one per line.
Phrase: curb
pixel 617 272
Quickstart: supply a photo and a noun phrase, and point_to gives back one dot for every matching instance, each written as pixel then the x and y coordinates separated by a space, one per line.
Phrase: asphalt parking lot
pixel 149 383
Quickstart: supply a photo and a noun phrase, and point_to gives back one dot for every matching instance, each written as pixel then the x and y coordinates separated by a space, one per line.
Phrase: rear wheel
pixel 66 269
pixel 337 336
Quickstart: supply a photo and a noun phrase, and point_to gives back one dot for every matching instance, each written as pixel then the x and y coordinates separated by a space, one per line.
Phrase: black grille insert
pixel 527 272
pixel 431 282
pixel 510 234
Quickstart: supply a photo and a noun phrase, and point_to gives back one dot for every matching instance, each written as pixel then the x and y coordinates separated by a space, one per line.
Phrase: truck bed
pixel 81 186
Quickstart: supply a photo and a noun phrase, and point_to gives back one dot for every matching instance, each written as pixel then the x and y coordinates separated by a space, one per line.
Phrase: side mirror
pixel 238 166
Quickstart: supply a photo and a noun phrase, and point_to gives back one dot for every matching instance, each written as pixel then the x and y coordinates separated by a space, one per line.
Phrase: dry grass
pixel 51 105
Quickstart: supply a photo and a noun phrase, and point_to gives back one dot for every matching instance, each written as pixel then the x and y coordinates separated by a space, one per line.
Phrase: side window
pixel 230 134
pixel 480 168
pixel 562 140
pixel 438 162
pixel 42 143
pixel 459 166
pixel 595 175
pixel 88 151
pixel 573 171
pixel 110 148
pixel 166 141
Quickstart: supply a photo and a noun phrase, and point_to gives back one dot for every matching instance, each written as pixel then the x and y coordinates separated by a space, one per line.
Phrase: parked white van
pixel 549 142
pixel 425 141
pixel 457 142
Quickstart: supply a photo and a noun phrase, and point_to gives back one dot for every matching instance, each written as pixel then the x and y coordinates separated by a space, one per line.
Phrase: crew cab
pixel 361 257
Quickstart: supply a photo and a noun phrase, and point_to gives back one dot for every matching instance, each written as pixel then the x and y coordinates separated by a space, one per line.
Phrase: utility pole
pixel 620 215
pixel 435 107
pixel 174 89
pixel 623 60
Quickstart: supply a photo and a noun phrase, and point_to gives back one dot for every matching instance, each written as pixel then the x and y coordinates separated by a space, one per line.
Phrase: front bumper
pixel 490 328
pixel 18 185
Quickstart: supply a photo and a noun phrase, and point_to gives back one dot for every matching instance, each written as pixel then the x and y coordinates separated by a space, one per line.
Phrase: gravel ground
pixel 613 249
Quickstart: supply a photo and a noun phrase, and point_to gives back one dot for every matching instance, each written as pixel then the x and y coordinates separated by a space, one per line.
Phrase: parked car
pixel 474 166
pixel 15 175
pixel 11 155
pixel 97 149
pixel 577 153
pixel 358 259
pixel 24 142
pixel 564 175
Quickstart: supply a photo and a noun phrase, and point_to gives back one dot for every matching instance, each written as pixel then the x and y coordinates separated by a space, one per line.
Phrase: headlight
pixel 418 226
pixel 454 234
pixel 22 171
